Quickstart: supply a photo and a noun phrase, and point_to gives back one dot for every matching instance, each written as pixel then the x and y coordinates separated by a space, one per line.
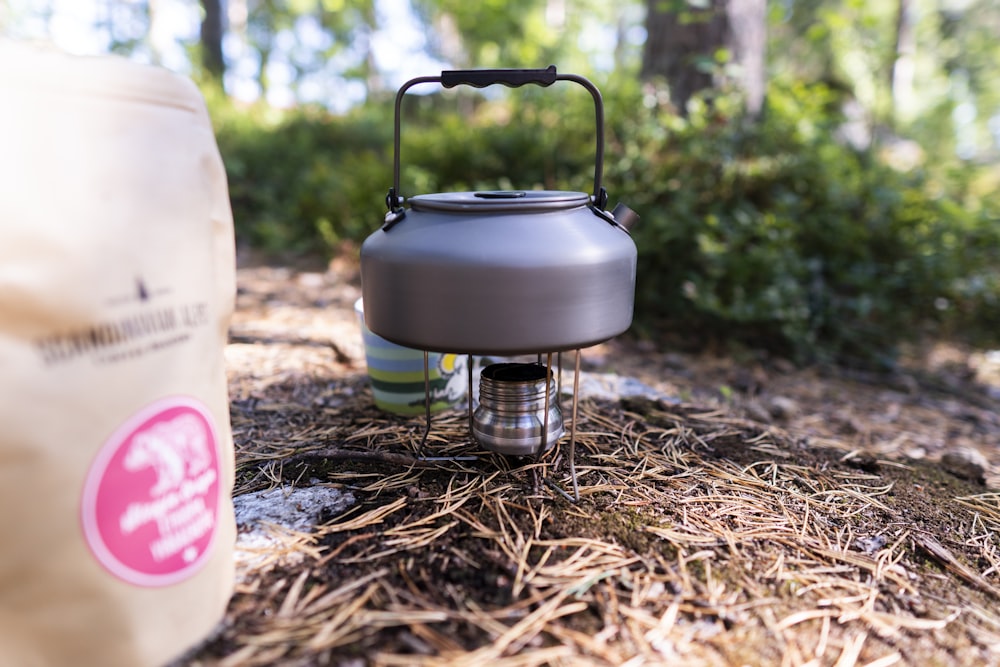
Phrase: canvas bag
pixel 117 283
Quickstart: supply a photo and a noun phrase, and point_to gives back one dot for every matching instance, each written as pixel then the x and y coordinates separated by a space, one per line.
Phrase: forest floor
pixel 745 512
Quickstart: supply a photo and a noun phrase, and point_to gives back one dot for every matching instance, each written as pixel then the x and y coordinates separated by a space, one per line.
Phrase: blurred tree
pixel 305 37
pixel 902 70
pixel 156 33
pixel 212 30
pixel 922 69
pixel 489 33
pixel 126 25
pixel 697 44
pixel 576 35
pixel 964 67
pixel 352 23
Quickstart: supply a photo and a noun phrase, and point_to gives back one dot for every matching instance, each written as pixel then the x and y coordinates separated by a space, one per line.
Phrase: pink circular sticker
pixel 151 498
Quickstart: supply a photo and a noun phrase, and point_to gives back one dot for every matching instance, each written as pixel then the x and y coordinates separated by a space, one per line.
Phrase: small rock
pixel 352 662
pixel 966 463
pixel 646 345
pixel 307 280
pixel 414 491
pixel 909 384
pixel 847 422
pixel 749 381
pixel 870 544
pixel 782 407
pixel 783 366
pixel 674 361
pixel 612 386
pixel 862 461
pixel 299 509
pixel 758 412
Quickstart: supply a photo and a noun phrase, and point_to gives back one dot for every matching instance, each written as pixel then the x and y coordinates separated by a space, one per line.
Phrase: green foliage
pixel 779 236
pixel 491 33
pixel 302 180
pixel 773 234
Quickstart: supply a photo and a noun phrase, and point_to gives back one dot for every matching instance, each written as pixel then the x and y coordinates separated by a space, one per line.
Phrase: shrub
pixel 302 180
pixel 776 235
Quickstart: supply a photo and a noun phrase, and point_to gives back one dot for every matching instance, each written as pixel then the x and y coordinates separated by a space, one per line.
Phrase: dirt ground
pixel 768 515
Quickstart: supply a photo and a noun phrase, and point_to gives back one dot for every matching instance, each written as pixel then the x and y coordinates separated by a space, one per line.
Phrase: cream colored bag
pixel 116 288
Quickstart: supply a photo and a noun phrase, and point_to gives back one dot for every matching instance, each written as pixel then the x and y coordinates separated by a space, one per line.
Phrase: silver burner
pixel 518 413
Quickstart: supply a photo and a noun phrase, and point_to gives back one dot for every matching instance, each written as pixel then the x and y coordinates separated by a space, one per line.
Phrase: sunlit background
pixel 916 56
pixel 820 172
pixel 305 59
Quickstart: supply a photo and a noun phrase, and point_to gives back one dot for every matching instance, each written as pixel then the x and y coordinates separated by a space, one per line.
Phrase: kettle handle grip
pixel 512 78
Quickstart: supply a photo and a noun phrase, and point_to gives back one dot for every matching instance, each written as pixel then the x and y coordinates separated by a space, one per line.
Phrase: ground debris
pixel 966 463
pixel 702 536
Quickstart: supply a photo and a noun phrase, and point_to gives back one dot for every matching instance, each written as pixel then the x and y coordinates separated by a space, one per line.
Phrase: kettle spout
pixel 625 216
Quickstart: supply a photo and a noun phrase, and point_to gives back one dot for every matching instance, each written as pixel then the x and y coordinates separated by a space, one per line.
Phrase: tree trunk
pixel 901 72
pixel 683 39
pixel 155 35
pixel 263 76
pixel 747 41
pixel 211 40
pixel 374 85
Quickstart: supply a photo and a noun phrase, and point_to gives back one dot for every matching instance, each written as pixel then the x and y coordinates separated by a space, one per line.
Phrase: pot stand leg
pixel 548 401
pixel 427 415
pixel 572 435
pixel 536 485
pixel 559 381
pixel 427 407
pixel 468 394
pixel 572 427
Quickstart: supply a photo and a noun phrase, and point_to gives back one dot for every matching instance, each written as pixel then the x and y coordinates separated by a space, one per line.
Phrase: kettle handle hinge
pixel 597 205
pixel 396 212
pixel 621 217
pixel 601 198
pixel 607 217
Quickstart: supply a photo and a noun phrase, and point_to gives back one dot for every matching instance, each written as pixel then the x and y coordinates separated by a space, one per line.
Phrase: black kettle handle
pixel 513 78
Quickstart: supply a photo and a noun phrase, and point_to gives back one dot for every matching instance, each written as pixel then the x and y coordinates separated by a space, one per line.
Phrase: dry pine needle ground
pixel 701 537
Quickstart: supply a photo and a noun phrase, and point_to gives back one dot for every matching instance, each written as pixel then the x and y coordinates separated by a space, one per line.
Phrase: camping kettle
pixel 500 272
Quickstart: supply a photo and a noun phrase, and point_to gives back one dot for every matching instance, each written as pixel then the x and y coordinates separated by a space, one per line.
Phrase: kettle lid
pixel 500 201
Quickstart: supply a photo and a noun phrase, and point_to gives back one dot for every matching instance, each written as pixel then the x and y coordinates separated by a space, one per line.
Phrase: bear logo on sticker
pixel 175 450
pixel 152 495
